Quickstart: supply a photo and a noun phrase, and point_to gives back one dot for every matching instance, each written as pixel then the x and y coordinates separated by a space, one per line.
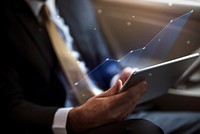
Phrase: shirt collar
pixel 36 6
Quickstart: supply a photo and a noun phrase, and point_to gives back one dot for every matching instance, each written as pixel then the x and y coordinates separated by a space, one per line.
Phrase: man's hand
pixel 109 106
pixel 126 72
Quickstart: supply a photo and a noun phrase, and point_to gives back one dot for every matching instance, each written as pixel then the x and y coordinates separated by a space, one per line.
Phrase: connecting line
pixel 137 50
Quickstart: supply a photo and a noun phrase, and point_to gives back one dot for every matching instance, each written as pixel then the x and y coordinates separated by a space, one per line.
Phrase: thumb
pixel 113 90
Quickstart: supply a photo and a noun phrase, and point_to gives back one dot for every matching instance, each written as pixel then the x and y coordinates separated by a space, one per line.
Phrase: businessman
pixel 35 96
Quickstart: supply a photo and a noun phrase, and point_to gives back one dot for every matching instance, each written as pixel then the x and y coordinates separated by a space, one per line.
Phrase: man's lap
pixel 172 122
pixel 131 126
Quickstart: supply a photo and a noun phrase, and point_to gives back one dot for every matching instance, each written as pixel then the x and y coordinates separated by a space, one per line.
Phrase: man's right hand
pixel 109 106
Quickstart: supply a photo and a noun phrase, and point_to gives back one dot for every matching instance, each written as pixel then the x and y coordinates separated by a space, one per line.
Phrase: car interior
pixel 168 29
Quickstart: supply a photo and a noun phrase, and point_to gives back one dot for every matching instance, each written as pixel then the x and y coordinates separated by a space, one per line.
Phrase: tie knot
pixel 45 13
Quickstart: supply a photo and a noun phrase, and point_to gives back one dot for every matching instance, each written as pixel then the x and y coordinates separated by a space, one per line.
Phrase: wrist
pixel 76 122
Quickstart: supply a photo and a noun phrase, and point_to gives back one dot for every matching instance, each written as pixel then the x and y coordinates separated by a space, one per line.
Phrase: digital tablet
pixel 160 77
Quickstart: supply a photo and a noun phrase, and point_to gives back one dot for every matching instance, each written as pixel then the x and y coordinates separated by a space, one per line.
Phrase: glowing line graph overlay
pixel 155 51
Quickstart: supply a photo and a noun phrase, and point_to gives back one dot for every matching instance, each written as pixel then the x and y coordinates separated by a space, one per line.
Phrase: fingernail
pixel 119 84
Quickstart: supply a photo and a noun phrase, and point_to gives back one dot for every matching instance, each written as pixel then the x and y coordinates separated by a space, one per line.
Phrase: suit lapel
pixel 38 34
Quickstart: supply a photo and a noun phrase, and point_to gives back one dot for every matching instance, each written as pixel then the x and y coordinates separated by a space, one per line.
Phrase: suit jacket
pixel 30 89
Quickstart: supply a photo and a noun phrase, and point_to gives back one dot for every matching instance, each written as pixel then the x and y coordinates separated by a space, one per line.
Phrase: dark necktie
pixel 77 79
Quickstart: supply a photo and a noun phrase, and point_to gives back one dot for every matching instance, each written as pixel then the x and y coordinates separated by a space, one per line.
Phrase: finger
pixel 119 105
pixel 113 90
pixel 137 91
pixel 119 85
pixel 139 88
pixel 133 93
pixel 127 100
pixel 126 73
pixel 129 96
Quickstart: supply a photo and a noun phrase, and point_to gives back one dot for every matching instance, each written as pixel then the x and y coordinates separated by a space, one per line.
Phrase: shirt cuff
pixel 60 120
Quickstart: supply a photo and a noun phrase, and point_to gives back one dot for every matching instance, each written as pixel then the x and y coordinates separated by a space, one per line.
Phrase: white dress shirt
pixel 60 118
